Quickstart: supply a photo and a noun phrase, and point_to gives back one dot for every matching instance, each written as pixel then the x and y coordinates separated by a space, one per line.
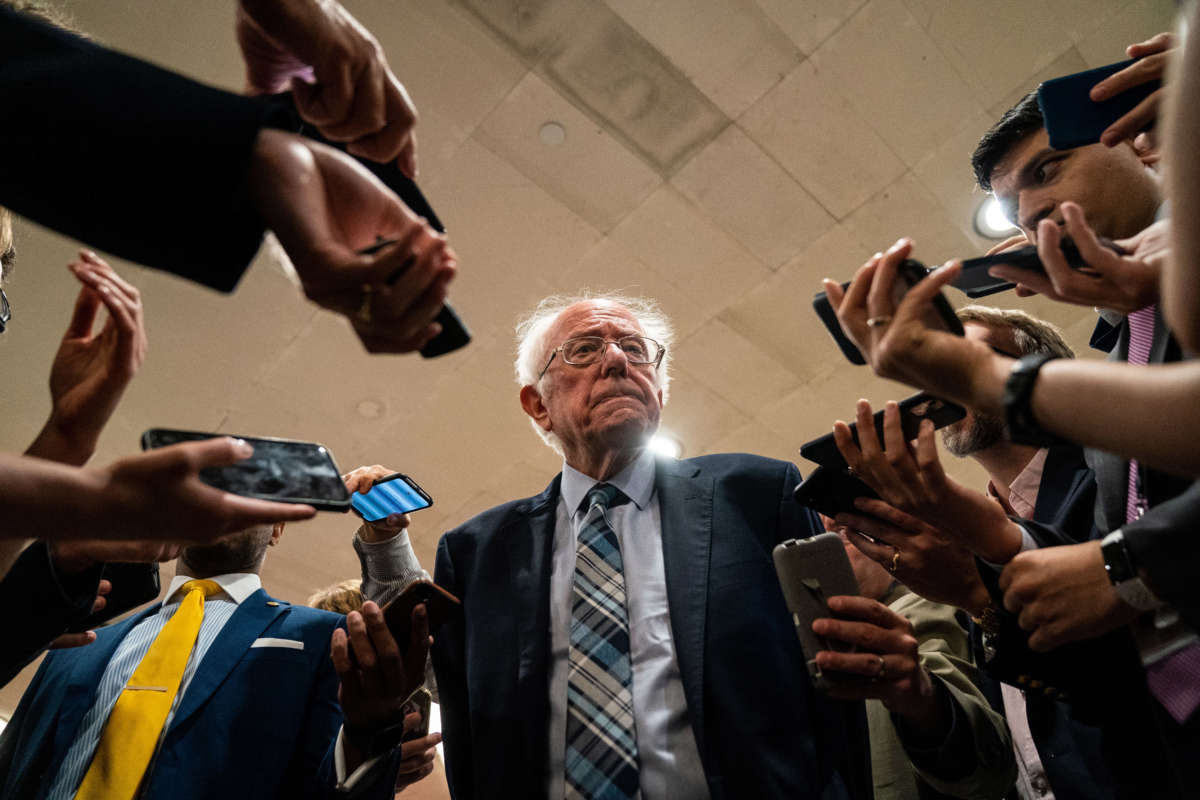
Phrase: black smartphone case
pixel 913 410
pixel 1072 118
pixel 828 491
pixel 911 271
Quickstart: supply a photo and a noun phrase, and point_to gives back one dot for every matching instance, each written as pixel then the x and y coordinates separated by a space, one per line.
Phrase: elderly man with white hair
pixel 623 633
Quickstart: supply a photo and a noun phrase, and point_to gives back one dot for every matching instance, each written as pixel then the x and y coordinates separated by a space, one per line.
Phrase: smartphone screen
pixel 283 470
pixel 395 494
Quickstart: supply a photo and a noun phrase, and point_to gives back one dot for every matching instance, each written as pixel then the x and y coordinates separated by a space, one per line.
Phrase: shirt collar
pixel 236 585
pixel 1023 491
pixel 636 481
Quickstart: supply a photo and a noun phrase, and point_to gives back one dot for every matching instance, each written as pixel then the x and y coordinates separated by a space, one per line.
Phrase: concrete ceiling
pixel 722 156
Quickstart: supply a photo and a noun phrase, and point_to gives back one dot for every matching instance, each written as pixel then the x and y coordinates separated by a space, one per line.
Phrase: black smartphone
pixel 1072 118
pixel 439 605
pixel 394 494
pixel 910 273
pixel 829 491
pixel 913 411
pixel 974 280
pixel 283 470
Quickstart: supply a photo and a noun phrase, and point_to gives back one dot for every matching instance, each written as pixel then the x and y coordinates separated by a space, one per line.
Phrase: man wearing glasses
pixel 623 632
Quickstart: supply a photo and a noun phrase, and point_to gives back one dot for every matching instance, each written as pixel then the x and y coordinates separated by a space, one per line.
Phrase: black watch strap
pixel 1018 408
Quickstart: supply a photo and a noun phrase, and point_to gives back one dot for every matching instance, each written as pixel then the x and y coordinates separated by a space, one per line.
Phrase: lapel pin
pixel 272 603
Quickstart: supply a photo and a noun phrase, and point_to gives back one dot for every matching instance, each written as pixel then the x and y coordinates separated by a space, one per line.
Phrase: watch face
pixel 1116 560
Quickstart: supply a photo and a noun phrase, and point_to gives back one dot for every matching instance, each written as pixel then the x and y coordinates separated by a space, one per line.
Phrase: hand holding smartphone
pixel 283 470
pixel 913 411
pixel 941 317
pixel 393 494
pixel 811 571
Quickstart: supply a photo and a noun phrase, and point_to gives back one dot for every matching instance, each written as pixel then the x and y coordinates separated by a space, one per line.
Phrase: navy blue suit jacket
pixel 254 722
pixel 760 728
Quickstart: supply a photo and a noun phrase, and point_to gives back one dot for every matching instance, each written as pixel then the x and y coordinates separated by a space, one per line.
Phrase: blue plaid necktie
pixel 602 757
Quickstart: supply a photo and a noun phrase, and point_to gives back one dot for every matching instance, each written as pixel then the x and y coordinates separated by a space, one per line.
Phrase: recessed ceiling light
pixel 552 133
pixel 990 221
pixel 666 445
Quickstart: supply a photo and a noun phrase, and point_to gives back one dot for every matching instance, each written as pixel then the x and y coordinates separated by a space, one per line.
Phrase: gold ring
pixel 364 308
pixel 880 321
pixel 895 560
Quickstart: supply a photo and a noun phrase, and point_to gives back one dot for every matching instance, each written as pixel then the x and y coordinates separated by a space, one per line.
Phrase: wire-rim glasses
pixel 581 351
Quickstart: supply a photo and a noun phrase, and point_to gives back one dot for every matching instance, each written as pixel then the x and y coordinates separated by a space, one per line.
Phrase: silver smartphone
pixel 811 571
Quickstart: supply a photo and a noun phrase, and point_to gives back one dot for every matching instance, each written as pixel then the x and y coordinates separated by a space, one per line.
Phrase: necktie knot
pixel 604 495
pixel 209 588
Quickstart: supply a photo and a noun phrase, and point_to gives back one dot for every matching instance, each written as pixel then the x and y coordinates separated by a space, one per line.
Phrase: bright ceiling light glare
pixel 990 221
pixel 552 133
pixel 666 445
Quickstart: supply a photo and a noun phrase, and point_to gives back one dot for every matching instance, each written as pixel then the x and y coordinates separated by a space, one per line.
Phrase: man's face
pixel 1119 196
pixel 609 405
pixel 976 431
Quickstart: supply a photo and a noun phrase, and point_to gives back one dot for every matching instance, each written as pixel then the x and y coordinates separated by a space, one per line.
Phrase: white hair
pixel 533 347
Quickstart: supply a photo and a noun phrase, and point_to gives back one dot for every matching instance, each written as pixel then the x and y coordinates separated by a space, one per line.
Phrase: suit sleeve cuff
pixel 348 783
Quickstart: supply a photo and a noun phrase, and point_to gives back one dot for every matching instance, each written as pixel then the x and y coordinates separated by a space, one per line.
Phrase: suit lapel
pixel 84 681
pixel 531 541
pixel 252 617
pixel 685 502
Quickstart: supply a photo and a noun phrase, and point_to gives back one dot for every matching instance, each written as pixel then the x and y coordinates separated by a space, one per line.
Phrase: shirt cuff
pixel 390 561
pixel 346 784
pixel 1027 543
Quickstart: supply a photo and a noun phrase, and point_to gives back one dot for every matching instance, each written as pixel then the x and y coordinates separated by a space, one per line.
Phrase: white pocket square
pixel 294 644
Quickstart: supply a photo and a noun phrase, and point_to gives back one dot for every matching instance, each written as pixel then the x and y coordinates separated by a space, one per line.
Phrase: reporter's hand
pixel 361 480
pixel 159 495
pixel 71 640
pixel 926 561
pixel 324 207
pixel 73 556
pixel 913 480
pixel 91 369
pixel 355 97
pixel 1123 283
pixel 886 652
pixel 901 346
pixel 376 682
pixel 417 755
pixel 1063 594
pixel 1152 56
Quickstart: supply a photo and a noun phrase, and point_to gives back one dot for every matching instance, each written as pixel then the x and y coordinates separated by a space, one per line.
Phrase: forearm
pixel 53 444
pixel 1089 402
pixel 387 566
pixel 1181 281
pixel 42 499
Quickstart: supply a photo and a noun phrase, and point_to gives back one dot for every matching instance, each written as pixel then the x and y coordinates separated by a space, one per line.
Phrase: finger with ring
pixel 895 561
pixel 880 321
pixel 882 673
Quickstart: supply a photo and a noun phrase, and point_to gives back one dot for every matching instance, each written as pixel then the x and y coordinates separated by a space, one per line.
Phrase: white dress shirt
pixel 235 588
pixel 668 759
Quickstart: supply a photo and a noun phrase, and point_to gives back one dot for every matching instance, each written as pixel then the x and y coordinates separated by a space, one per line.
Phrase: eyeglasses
pixel 5 311
pixel 580 351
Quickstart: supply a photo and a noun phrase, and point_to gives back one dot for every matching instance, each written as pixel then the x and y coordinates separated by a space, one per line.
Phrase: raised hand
pixel 92 368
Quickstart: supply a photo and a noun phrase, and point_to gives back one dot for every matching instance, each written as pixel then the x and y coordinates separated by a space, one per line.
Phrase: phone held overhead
pixel 392 494
pixel 283 470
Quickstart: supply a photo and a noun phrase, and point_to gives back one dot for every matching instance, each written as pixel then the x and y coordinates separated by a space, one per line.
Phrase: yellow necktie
pixel 131 734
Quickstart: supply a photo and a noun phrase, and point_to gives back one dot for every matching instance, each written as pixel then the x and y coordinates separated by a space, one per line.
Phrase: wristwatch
pixel 1123 574
pixel 1018 397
